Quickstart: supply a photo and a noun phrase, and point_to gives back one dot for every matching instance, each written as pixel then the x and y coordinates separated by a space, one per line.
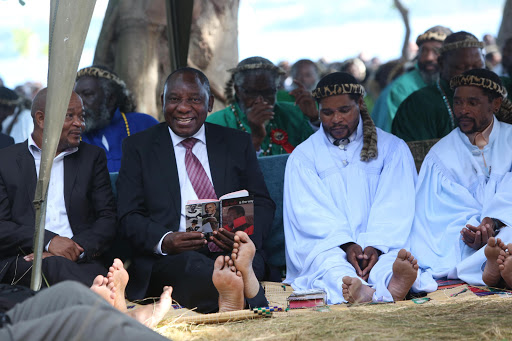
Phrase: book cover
pixel 233 211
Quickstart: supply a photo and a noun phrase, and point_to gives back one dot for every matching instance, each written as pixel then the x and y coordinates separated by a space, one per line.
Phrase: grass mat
pixel 466 317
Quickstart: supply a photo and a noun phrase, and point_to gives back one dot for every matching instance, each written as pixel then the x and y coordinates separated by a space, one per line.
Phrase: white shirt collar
pixel 176 140
pixel 36 151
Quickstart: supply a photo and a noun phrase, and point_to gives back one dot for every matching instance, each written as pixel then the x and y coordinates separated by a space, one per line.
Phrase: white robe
pixel 22 128
pixel 453 190
pixel 328 203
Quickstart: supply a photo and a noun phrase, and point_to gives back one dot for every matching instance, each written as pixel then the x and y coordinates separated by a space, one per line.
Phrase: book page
pixel 237 194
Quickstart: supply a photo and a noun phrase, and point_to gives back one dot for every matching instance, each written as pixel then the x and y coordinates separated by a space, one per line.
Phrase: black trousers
pixel 190 275
pixel 55 269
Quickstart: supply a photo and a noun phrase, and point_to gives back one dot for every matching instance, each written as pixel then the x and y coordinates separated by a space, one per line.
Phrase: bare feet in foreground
pixel 242 256
pixel 505 264
pixel 229 284
pixel 101 286
pixel 150 315
pixel 354 291
pixel 405 270
pixel 118 276
pixel 491 275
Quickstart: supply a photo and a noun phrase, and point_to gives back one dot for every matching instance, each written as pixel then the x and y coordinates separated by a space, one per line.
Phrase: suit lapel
pixel 164 153
pixel 70 172
pixel 27 167
pixel 216 158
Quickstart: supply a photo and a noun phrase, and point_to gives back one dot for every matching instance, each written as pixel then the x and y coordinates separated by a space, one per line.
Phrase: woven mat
pixel 277 293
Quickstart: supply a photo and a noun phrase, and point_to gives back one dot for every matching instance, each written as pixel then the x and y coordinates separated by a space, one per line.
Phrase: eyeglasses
pixel 252 93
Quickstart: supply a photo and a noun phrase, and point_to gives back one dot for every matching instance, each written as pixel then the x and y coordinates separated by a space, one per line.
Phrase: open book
pixel 233 211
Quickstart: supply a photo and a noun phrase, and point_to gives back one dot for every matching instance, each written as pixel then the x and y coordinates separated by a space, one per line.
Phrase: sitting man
pixel 427 113
pixel 109 107
pixel 275 127
pixel 349 203
pixel 425 72
pixel 80 216
pixel 464 192
pixel 180 160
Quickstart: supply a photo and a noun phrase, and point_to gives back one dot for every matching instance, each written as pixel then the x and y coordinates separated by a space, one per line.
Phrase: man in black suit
pixel 154 187
pixel 80 215
pixel 5 140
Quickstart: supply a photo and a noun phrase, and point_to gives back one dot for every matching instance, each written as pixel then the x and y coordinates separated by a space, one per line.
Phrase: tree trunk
pixel 505 31
pixel 404 13
pixel 133 42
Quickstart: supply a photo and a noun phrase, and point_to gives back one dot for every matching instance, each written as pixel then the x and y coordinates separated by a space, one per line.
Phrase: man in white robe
pixel 464 190
pixel 349 203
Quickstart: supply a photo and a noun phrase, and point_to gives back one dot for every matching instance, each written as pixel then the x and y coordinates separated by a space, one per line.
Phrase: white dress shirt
pixel 56 215
pixel 186 189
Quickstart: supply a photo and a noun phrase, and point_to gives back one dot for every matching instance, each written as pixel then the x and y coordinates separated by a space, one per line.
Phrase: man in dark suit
pixel 5 140
pixel 154 186
pixel 80 215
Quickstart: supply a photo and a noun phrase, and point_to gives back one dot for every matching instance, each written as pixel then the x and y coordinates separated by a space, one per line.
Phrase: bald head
pixel 39 102
pixel 73 122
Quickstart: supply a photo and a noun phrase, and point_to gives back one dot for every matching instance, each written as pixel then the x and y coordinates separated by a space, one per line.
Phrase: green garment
pixel 284 96
pixel 424 115
pixel 287 117
pixel 402 87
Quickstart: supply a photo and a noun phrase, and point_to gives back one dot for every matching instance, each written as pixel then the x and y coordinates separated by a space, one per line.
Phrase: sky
pixel 276 29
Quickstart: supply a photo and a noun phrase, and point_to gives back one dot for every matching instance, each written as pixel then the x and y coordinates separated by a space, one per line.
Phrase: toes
pixel 244 238
pixel 492 242
pixel 347 280
pixel 98 280
pixel 219 263
pixel 402 254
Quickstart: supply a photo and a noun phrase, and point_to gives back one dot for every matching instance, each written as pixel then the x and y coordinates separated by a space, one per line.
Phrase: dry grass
pixel 485 318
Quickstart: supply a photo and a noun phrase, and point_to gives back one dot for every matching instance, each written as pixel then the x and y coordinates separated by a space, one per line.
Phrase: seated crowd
pixel 359 222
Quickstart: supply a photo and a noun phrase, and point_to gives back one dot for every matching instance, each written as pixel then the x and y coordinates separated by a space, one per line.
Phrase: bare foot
pixel 354 291
pixel 405 269
pixel 101 287
pixel 118 276
pixel 150 315
pixel 242 256
pixel 505 265
pixel 229 284
pixel 491 275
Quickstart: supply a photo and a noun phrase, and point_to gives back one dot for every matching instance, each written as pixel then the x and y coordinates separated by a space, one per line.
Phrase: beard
pixel 97 120
pixel 476 127
pixel 429 76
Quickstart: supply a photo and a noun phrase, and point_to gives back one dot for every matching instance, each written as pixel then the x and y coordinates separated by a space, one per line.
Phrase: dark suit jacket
pixel 87 193
pixel 5 140
pixel 149 199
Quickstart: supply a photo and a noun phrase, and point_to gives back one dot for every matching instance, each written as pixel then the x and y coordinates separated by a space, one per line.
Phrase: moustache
pixel 339 126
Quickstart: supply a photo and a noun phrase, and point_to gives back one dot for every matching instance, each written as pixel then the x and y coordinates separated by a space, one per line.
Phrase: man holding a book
pixel 186 160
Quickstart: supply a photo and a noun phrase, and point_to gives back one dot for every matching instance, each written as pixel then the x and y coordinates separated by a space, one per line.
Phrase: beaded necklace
pixel 446 103
pixel 126 124
pixel 241 126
